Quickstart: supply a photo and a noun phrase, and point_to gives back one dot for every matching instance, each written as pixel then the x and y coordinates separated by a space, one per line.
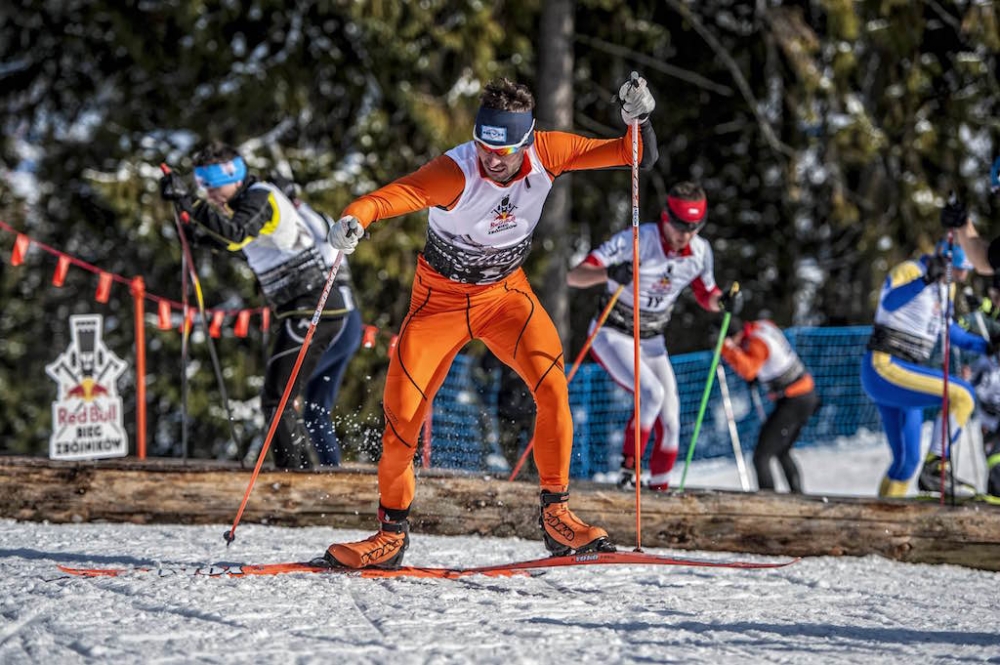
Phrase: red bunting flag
pixel 164 315
pixel 368 339
pixel 242 323
pixel 62 267
pixel 103 287
pixel 215 330
pixel 265 319
pixel 20 248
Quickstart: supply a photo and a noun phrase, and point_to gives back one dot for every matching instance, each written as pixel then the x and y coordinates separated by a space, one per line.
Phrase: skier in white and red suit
pixel 671 256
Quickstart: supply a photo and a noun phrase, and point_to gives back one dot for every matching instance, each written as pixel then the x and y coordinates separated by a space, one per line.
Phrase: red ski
pixel 498 570
pixel 625 558
pixel 251 570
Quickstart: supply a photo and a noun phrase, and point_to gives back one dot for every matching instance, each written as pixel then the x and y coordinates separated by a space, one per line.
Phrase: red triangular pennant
pixel 103 287
pixel 215 330
pixel 62 267
pixel 20 248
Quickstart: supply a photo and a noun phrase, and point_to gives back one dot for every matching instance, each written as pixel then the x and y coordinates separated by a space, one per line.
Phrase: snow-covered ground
pixel 820 610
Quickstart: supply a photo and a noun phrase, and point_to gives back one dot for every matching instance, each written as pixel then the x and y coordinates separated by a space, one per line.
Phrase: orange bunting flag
pixel 103 287
pixel 242 323
pixel 392 343
pixel 368 340
pixel 215 330
pixel 62 267
pixel 20 248
pixel 164 315
pixel 265 319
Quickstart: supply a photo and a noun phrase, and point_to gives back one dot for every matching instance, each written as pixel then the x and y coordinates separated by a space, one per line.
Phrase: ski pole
pixel 734 435
pixel 187 258
pixel 572 372
pixel 185 352
pixel 230 536
pixel 706 393
pixel 635 321
pixel 946 349
pixel 977 316
pixel 757 404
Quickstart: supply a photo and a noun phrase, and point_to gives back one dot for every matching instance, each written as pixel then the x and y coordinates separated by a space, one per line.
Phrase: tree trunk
pixel 554 97
pixel 454 503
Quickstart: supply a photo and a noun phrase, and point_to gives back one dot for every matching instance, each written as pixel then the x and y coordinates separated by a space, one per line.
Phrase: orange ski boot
pixel 383 550
pixel 563 531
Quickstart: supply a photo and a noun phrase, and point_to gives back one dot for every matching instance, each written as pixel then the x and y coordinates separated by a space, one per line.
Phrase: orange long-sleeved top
pixel 749 356
pixel 746 359
pixel 440 182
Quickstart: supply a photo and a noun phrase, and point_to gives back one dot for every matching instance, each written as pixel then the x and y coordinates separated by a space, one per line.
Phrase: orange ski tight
pixel 444 316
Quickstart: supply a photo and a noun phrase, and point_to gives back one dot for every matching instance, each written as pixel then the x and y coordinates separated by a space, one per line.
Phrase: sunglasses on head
pixel 682 226
pixel 504 150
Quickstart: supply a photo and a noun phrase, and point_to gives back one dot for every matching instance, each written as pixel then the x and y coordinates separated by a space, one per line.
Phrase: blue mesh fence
pixel 465 410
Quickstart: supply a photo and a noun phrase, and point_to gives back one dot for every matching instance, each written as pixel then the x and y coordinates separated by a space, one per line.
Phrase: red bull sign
pixel 87 418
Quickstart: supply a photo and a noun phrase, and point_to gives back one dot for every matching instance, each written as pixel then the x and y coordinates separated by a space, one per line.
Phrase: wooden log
pixel 170 491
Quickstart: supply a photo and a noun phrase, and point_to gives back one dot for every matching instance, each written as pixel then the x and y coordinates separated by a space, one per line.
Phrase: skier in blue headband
pixel 284 241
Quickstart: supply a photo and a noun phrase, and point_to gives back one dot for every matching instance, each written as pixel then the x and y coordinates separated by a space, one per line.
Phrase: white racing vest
pixel 282 238
pixel 286 255
pixel 917 324
pixel 663 276
pixel 487 234
pixel 783 366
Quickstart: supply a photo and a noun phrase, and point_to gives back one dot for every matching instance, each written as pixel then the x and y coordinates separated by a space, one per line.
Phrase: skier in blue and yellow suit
pixel 894 372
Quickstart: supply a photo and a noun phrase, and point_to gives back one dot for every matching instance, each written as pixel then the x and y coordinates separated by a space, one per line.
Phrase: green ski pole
pixel 704 397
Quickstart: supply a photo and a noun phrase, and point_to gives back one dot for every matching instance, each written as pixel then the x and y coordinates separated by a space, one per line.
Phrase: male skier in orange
pixel 485 198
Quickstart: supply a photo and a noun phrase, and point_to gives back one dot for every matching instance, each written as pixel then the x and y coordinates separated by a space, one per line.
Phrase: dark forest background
pixel 826 132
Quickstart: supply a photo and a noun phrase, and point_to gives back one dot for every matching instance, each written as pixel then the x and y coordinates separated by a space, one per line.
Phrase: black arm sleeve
pixel 253 210
pixel 650 153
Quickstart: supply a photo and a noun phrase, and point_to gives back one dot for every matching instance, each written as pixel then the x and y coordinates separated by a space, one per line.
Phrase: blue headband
pixel 211 176
pixel 501 129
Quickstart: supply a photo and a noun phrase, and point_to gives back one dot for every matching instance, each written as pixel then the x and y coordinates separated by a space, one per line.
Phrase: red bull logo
pixel 87 420
pixel 87 390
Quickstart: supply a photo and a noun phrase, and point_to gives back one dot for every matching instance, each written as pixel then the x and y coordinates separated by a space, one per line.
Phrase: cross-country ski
pixel 496 570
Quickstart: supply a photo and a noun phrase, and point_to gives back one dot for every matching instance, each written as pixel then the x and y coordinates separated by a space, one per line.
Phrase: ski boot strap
pixel 548 498
pixel 394 520
pixel 395 527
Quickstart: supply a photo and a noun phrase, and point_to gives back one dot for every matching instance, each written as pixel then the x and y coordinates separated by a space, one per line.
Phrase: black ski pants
pixel 291 444
pixel 777 436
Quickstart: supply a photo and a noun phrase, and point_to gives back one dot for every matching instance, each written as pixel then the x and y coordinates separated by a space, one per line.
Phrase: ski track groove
pixel 365 610
pixel 19 624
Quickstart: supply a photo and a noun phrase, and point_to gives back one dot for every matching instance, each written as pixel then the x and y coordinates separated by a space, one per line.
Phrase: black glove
pixel 621 272
pixel 732 299
pixel 935 269
pixel 953 214
pixel 172 187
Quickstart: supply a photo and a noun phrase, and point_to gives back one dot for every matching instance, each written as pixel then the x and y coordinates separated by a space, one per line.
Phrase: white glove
pixel 344 235
pixel 636 100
